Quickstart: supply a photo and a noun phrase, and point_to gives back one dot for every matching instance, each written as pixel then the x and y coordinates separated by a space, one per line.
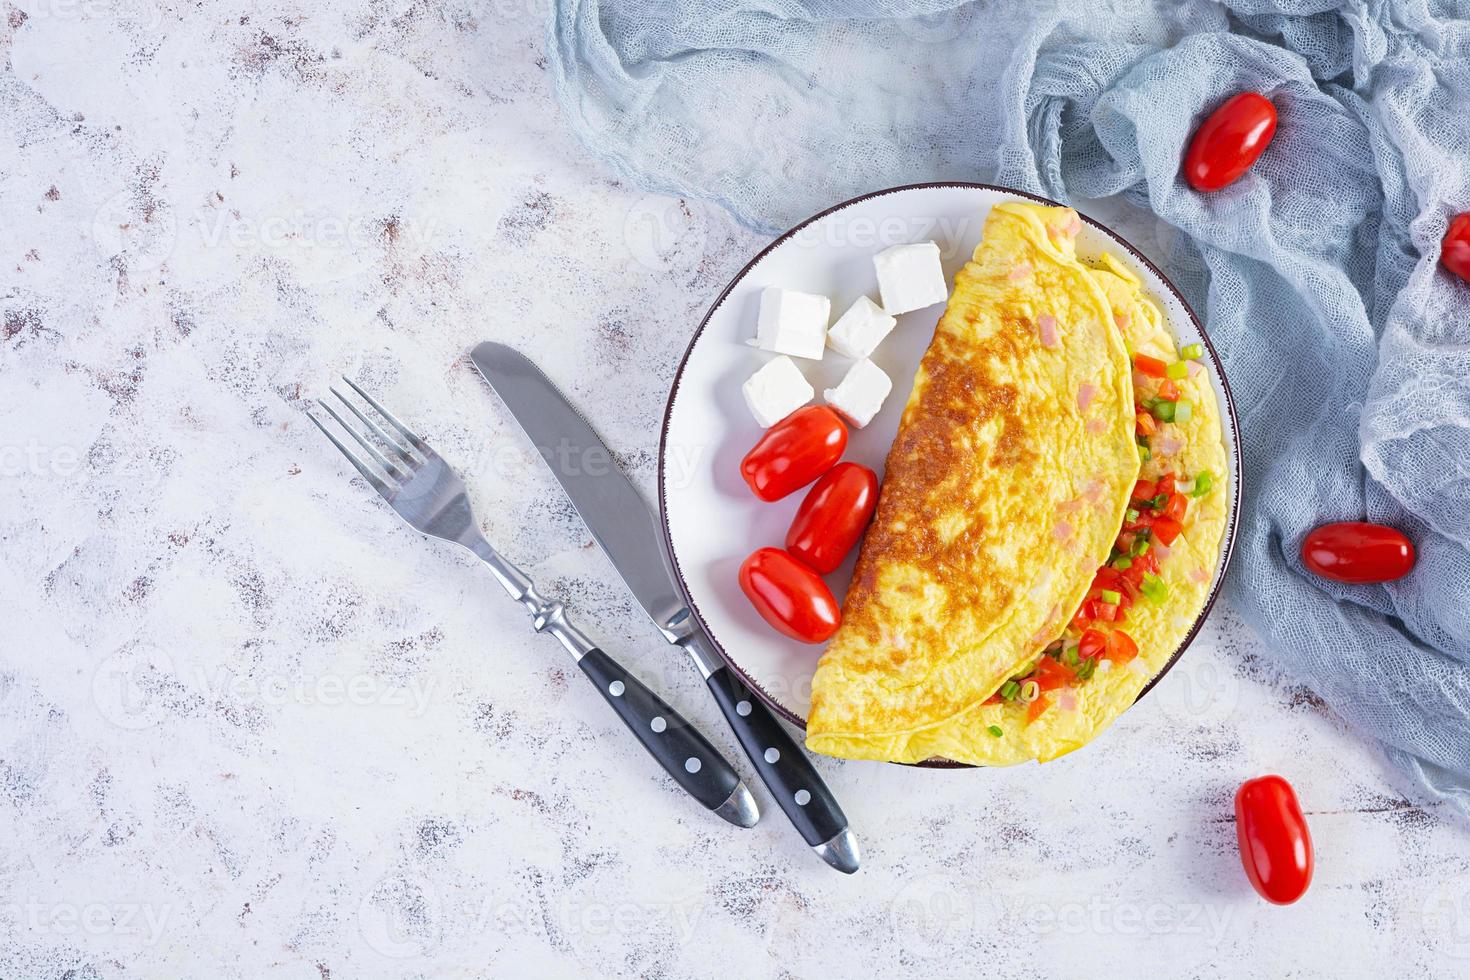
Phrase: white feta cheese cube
pixel 776 390
pixel 858 332
pixel 860 393
pixel 792 322
pixel 910 277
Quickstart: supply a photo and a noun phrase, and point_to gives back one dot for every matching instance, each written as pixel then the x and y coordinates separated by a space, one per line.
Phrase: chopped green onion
pixel 1110 597
pixel 1192 352
pixel 1009 690
pixel 1144 454
pixel 1163 411
pixel 1183 411
pixel 1122 563
pixel 1153 588
pixel 1030 691
pixel 1177 371
pixel 1203 481
pixel 1159 502
pixel 1140 543
pixel 1084 672
pixel 1131 515
pixel 1069 656
pixel 995 730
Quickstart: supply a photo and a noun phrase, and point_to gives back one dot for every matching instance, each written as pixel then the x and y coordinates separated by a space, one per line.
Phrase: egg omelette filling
pixel 1005 487
pixel 1144 600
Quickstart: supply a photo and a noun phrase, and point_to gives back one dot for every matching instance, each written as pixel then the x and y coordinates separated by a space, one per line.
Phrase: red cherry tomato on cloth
pixel 1456 251
pixel 794 452
pixel 789 596
pixel 1358 552
pixel 1275 847
pixel 832 517
pixel 1229 140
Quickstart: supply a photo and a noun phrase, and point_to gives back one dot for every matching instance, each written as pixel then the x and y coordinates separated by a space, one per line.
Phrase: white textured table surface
pixel 252 726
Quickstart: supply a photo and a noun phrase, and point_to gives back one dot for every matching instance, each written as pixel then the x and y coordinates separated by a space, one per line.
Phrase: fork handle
pixel 678 746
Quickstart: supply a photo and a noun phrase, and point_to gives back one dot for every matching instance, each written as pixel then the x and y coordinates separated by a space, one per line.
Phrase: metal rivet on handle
pixel 658 724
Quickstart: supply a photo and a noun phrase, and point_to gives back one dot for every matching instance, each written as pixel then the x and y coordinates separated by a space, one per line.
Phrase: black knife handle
pixel 684 753
pixel 779 761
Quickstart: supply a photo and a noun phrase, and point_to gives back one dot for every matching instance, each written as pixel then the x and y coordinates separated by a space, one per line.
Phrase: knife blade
pixel 625 528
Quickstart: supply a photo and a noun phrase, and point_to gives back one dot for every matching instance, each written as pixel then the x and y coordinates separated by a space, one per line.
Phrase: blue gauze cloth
pixel 1346 343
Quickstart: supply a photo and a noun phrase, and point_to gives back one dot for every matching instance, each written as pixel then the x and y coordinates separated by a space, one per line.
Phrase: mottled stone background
pixel 251 726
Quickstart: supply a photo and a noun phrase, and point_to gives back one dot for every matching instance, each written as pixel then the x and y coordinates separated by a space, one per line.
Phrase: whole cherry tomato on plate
pixel 1275 847
pixel 789 596
pixel 794 452
pixel 1356 551
pixel 832 517
pixel 1229 140
pixel 1456 251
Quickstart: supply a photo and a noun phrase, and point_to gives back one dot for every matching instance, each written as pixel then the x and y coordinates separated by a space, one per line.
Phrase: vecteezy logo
pixel 665 234
pixel 129 685
pixel 1446 918
pixel 143 236
pixel 931 915
pixel 399 917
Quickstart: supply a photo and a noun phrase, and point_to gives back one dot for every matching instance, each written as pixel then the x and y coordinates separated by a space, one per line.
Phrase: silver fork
pixel 424 491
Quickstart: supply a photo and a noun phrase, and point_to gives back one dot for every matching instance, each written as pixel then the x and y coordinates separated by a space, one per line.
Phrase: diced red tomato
pixel 1146 563
pixel 1107 577
pixel 1146 425
pixel 1052 674
pixel 1092 644
pixel 1177 507
pixel 1105 611
pixel 1038 707
pixel 1121 647
pixel 1166 529
pixel 1166 484
pixel 1151 366
pixel 1168 390
pixel 1144 490
pixel 1145 519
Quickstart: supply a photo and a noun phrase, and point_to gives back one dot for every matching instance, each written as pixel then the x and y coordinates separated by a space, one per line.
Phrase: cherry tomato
pixel 1455 253
pixel 1356 551
pixel 789 596
pixel 794 452
pixel 832 517
pixel 1229 140
pixel 1275 847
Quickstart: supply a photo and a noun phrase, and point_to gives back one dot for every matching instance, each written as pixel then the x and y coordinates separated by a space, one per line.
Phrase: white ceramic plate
pixel 711 518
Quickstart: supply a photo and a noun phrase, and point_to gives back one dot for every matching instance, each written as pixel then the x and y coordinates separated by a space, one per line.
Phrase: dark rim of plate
pixel 1226 552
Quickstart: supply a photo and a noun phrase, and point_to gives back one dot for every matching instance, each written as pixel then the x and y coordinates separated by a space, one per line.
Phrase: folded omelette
pixel 976 558
pixel 1049 522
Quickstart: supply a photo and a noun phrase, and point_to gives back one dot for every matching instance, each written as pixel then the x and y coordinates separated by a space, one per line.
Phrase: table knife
pixel 626 530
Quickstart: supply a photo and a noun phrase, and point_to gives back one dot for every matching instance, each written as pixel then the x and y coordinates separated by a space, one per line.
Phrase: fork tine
pixel 414 440
pixel 391 469
pixel 367 474
pixel 378 431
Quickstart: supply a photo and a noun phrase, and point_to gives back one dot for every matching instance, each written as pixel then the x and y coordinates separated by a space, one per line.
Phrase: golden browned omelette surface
pixel 979 552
